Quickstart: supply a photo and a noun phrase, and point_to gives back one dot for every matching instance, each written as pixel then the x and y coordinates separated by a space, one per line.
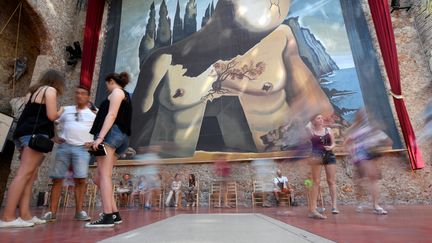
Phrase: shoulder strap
pixel 37 93
pixel 37 116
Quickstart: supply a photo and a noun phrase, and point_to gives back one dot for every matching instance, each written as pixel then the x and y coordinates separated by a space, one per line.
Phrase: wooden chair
pixel 215 193
pixel 197 194
pixel 260 192
pixel 118 198
pixel 157 198
pixel 231 193
pixel 91 196
pixel 65 196
pixel 285 197
pixel 116 195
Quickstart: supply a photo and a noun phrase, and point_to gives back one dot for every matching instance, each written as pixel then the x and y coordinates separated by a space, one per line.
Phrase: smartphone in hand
pixel 99 152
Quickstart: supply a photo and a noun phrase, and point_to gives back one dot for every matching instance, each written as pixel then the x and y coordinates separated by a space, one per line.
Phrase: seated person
pixel 125 188
pixel 141 190
pixel 191 191
pixel 175 188
pixel 281 186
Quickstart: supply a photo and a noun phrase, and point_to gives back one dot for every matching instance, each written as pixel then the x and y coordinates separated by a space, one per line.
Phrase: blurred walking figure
pixel 364 143
pixel 426 132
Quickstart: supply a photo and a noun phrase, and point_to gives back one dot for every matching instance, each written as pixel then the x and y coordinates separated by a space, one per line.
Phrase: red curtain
pixel 95 9
pixel 381 17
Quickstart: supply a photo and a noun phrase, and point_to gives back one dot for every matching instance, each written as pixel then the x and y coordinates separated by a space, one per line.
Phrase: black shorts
pixel 326 157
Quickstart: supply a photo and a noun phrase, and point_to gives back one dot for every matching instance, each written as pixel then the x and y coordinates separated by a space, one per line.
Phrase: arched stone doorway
pixel 32 42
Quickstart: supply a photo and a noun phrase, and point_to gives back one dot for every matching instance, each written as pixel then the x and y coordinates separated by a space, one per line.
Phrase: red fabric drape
pixel 95 9
pixel 381 17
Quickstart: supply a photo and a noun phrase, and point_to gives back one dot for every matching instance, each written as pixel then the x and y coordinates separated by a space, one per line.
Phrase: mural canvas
pixel 239 76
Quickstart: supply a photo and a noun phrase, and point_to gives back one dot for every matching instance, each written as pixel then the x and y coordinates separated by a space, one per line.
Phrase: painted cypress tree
pixel 163 37
pixel 148 40
pixel 178 25
pixel 206 17
pixel 212 9
pixel 190 23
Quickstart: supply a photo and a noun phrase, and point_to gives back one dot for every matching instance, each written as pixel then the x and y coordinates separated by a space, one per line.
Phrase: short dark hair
pixel 84 88
pixel 121 79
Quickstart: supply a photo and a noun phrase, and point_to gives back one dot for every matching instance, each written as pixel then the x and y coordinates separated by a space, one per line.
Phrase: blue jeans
pixel 67 155
pixel 116 139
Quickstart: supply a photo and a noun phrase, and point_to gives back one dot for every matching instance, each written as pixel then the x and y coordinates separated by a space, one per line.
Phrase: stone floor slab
pixel 216 228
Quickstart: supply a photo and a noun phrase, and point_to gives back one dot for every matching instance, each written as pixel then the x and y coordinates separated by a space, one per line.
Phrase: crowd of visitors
pixel 81 130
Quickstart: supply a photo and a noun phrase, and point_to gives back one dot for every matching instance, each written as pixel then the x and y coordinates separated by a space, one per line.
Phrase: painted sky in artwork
pixel 324 19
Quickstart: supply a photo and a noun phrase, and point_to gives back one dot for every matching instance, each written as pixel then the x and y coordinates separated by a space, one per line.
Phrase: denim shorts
pixel 116 139
pixel 23 141
pixel 67 155
pixel 326 157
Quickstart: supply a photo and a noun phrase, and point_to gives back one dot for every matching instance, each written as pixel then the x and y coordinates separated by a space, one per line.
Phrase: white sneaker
pixel 17 223
pixel 35 220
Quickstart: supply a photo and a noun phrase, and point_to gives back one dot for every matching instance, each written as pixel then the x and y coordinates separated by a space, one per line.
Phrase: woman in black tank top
pixel 42 99
pixel 111 128
pixel 322 145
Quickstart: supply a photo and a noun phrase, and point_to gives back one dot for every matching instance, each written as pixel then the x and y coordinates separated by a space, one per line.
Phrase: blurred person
pixel 364 141
pixel 74 132
pixel 281 186
pixel 156 190
pixel 323 142
pixel 426 131
pixel 191 191
pixel 264 169
pixel 112 127
pixel 141 190
pixel 175 189
pixel 39 112
pixel 223 174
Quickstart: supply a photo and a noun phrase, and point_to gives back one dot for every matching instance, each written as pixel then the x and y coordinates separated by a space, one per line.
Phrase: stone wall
pixel 422 20
pixel 399 184
pixel 63 25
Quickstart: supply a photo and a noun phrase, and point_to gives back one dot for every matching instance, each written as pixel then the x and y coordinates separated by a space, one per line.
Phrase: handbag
pixel 40 142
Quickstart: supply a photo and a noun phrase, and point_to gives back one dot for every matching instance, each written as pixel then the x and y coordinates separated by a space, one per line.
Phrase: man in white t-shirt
pixel 281 186
pixel 73 133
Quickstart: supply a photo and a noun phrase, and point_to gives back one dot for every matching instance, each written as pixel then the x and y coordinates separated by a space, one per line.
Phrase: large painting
pixel 241 76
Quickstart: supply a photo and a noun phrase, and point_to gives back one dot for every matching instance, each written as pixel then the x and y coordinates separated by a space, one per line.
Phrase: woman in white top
pixel 175 188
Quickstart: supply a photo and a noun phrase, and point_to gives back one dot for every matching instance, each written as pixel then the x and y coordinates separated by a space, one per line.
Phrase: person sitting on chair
pixel 281 186
pixel 175 188
pixel 125 188
pixel 191 191
pixel 141 191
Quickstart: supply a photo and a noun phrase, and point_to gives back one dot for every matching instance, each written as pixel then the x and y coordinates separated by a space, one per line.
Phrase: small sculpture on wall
pixel 20 67
pixel 75 53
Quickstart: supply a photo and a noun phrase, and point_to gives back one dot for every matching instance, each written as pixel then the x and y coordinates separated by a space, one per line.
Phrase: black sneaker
pixel 117 219
pixel 105 220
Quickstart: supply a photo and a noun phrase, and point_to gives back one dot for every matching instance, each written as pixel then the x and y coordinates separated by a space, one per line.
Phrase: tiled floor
pixel 403 224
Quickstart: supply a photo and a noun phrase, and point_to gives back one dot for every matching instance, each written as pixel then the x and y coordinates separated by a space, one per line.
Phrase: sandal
pixel 316 215
pixel 380 211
